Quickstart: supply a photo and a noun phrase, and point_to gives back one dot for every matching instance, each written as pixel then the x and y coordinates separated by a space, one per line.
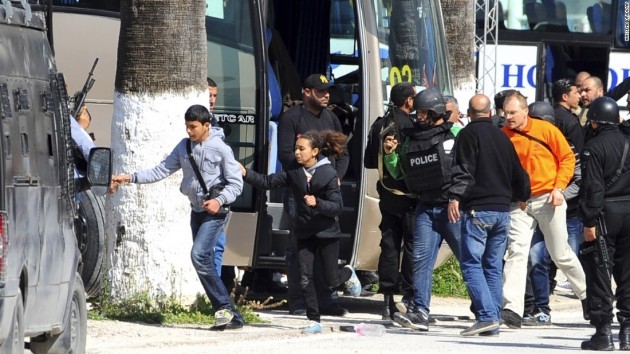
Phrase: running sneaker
pixel 353 285
pixel 223 317
pixel 313 328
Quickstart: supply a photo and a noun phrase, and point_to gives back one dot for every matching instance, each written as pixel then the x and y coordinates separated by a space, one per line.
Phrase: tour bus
pixel 259 52
pixel 540 41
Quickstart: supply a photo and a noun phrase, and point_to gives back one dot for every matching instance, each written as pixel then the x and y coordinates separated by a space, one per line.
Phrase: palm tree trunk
pixel 161 71
pixel 459 26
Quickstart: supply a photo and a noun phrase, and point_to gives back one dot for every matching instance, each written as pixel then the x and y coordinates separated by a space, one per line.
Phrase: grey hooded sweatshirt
pixel 216 163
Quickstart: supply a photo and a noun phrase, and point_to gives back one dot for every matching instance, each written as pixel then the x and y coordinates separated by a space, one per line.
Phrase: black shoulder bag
pixel 208 195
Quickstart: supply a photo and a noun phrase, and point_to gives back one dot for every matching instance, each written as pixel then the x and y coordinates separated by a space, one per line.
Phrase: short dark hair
pixel 211 82
pixel 198 113
pixel 400 92
pixel 500 97
pixel 561 87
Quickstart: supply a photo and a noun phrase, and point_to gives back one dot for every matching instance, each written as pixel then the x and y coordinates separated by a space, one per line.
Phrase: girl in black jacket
pixel 315 188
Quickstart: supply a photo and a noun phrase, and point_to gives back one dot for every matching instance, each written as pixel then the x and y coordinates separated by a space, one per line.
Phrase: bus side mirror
pixel 99 172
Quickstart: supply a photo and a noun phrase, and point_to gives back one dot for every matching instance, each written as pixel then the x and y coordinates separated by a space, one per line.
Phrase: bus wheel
pixel 14 343
pixel 90 231
pixel 73 338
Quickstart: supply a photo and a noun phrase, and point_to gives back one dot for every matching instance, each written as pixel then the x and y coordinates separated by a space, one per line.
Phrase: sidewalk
pixel 280 333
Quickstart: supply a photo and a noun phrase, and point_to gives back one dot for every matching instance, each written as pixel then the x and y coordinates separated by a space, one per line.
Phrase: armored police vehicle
pixel 41 292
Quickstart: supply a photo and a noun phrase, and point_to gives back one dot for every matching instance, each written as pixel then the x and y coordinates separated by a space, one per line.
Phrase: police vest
pixel 426 166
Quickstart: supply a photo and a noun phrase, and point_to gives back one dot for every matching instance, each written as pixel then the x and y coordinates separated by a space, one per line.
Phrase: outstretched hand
pixel 117 181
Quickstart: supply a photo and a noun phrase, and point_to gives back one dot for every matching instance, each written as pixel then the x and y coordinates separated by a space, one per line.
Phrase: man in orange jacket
pixel 548 159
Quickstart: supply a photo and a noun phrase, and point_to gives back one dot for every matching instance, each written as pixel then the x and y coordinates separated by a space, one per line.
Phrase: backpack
pixel 375 139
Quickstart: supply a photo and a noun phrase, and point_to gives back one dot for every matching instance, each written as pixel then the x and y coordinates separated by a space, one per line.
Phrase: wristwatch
pixel 560 190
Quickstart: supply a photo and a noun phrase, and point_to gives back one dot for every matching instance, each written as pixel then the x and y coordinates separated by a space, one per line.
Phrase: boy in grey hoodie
pixel 220 172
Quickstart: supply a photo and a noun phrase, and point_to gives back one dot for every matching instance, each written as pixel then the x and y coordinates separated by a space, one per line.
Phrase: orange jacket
pixel 546 170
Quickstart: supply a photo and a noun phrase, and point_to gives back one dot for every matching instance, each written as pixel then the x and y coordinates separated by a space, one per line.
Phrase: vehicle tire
pixel 73 338
pixel 90 231
pixel 14 343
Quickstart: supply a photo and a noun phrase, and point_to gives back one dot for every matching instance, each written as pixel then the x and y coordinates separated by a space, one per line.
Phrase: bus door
pixel 565 59
pixel 235 55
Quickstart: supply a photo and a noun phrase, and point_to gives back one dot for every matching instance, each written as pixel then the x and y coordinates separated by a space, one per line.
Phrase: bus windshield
pixel 412 44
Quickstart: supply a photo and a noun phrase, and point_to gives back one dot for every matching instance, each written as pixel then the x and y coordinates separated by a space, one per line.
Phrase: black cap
pixel 542 110
pixel 317 81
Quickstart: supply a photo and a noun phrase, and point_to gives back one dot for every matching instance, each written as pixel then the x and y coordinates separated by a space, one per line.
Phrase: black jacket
pixel 600 159
pixel 321 220
pixel 402 120
pixel 569 125
pixel 487 174
pixel 298 120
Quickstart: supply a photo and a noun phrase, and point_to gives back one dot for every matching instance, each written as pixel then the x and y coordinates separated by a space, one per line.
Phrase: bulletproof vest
pixel 426 165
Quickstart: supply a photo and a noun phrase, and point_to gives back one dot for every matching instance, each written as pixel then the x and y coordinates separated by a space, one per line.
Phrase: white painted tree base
pixel 148 225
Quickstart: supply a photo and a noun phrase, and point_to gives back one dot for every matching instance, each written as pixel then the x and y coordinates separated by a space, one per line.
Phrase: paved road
pixel 281 334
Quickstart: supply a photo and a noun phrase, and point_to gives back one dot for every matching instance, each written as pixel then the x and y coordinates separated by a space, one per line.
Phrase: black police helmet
pixel 605 110
pixel 430 100
pixel 542 110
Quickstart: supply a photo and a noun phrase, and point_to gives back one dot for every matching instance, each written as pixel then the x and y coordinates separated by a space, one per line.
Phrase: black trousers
pixel 397 215
pixel 599 296
pixel 319 254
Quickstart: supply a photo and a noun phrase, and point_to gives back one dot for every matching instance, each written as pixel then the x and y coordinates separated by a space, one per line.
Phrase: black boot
pixel 388 303
pixel 624 336
pixel 601 340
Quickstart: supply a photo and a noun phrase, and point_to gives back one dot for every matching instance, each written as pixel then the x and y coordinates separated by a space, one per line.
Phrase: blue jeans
pixel 539 261
pixel 206 230
pixel 218 252
pixel 484 238
pixel 430 229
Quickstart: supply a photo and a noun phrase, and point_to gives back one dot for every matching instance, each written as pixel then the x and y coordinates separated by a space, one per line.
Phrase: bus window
pixel 231 64
pixel 540 41
pixel 107 5
pixel 622 31
pixel 584 16
pixel 410 40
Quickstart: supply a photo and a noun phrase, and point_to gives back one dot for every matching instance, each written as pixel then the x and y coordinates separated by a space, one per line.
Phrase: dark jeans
pixel 325 252
pixel 431 228
pixel 396 233
pixel 484 238
pixel 599 295
pixel 206 229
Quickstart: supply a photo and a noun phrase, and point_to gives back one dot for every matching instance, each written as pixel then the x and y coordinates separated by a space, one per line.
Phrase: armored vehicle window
pixel 24 144
pixel 5 102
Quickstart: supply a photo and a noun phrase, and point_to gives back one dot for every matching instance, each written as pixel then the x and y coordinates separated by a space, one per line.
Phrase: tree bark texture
pixel 459 26
pixel 161 71
pixel 162 46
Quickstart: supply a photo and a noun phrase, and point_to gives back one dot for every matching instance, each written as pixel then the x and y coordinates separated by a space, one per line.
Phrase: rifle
pixel 79 97
pixel 599 245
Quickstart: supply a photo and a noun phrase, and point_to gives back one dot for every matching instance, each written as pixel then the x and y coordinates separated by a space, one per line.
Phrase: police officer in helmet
pixel 606 201
pixel 425 160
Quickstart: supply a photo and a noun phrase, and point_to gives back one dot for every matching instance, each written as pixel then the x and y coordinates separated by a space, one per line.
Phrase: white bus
pixel 259 52
pixel 540 41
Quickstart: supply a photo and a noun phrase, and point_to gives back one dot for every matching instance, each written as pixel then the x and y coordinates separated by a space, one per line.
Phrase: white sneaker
pixel 564 287
pixel 353 285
